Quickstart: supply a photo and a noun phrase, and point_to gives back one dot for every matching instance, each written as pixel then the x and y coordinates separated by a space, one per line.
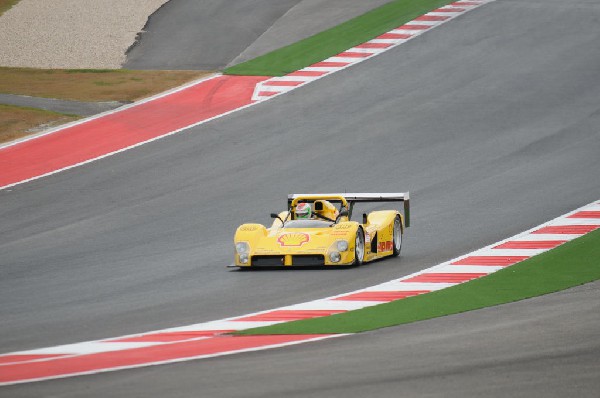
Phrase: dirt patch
pixel 17 122
pixel 78 85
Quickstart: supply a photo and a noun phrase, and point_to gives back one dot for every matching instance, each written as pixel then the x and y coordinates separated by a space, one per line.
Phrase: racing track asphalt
pixel 211 34
pixel 491 121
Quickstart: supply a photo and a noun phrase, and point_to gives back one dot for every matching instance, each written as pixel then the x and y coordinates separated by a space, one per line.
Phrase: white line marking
pixel 384 41
pixel 430 23
pixel 370 51
pixel 92 347
pixel 397 286
pixel 508 252
pixel 546 237
pixel 327 304
pixel 289 79
pixel 579 221
pixel 467 269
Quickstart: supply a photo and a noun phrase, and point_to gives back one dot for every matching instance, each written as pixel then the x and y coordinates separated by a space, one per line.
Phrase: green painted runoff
pixel 335 40
pixel 571 264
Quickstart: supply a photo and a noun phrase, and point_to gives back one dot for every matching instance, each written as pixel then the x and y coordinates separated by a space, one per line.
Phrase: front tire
pixel 359 247
pixel 397 237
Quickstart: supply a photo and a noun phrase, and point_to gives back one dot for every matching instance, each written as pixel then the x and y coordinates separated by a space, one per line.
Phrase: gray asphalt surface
pixel 210 34
pixel 60 106
pixel 491 122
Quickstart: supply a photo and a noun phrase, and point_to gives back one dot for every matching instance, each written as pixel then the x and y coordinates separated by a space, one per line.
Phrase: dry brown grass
pixel 78 85
pixel 92 84
pixel 17 122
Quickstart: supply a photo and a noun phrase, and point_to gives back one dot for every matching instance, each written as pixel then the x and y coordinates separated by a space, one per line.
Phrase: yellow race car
pixel 316 230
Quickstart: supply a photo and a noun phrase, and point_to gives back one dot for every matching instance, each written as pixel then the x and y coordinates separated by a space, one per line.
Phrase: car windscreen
pixel 307 224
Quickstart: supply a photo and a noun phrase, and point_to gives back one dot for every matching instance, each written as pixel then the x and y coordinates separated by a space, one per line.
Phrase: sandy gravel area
pixel 72 33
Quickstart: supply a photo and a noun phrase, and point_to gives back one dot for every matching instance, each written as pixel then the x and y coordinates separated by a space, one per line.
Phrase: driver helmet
pixel 303 211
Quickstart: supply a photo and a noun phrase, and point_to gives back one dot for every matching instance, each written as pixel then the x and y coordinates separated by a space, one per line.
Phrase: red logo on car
pixel 296 239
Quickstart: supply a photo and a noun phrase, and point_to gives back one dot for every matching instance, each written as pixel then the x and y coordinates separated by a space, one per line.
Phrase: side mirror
pixel 343 213
pixel 275 215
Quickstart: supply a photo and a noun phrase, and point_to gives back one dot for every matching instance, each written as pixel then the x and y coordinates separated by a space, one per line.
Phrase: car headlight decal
pixel 242 247
pixel 335 257
pixel 342 245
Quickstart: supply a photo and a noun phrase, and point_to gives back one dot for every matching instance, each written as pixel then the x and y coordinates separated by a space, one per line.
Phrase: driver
pixel 304 212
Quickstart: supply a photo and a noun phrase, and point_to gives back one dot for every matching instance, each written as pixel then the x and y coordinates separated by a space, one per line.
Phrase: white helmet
pixel 303 211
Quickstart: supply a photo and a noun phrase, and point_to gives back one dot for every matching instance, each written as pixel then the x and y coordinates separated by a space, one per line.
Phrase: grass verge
pixel 571 264
pixel 17 121
pixel 337 39
pixel 92 84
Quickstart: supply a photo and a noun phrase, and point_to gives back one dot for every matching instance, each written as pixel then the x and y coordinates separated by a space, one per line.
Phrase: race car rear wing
pixel 352 198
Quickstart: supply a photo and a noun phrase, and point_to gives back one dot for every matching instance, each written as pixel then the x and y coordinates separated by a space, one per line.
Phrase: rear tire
pixel 397 237
pixel 359 247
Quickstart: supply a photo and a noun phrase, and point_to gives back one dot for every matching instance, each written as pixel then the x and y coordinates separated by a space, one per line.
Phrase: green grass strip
pixel 337 39
pixel 571 264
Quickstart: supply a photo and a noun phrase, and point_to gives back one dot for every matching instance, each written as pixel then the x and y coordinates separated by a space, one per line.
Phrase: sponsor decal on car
pixel 343 226
pixel 339 233
pixel 294 239
pixel 248 228
pixel 384 246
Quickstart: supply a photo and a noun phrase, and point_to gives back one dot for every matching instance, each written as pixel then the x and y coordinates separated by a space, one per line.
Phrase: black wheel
pixel 359 247
pixel 397 237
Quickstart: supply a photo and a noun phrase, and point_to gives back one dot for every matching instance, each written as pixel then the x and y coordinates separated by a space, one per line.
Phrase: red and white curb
pixel 279 85
pixel 209 339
